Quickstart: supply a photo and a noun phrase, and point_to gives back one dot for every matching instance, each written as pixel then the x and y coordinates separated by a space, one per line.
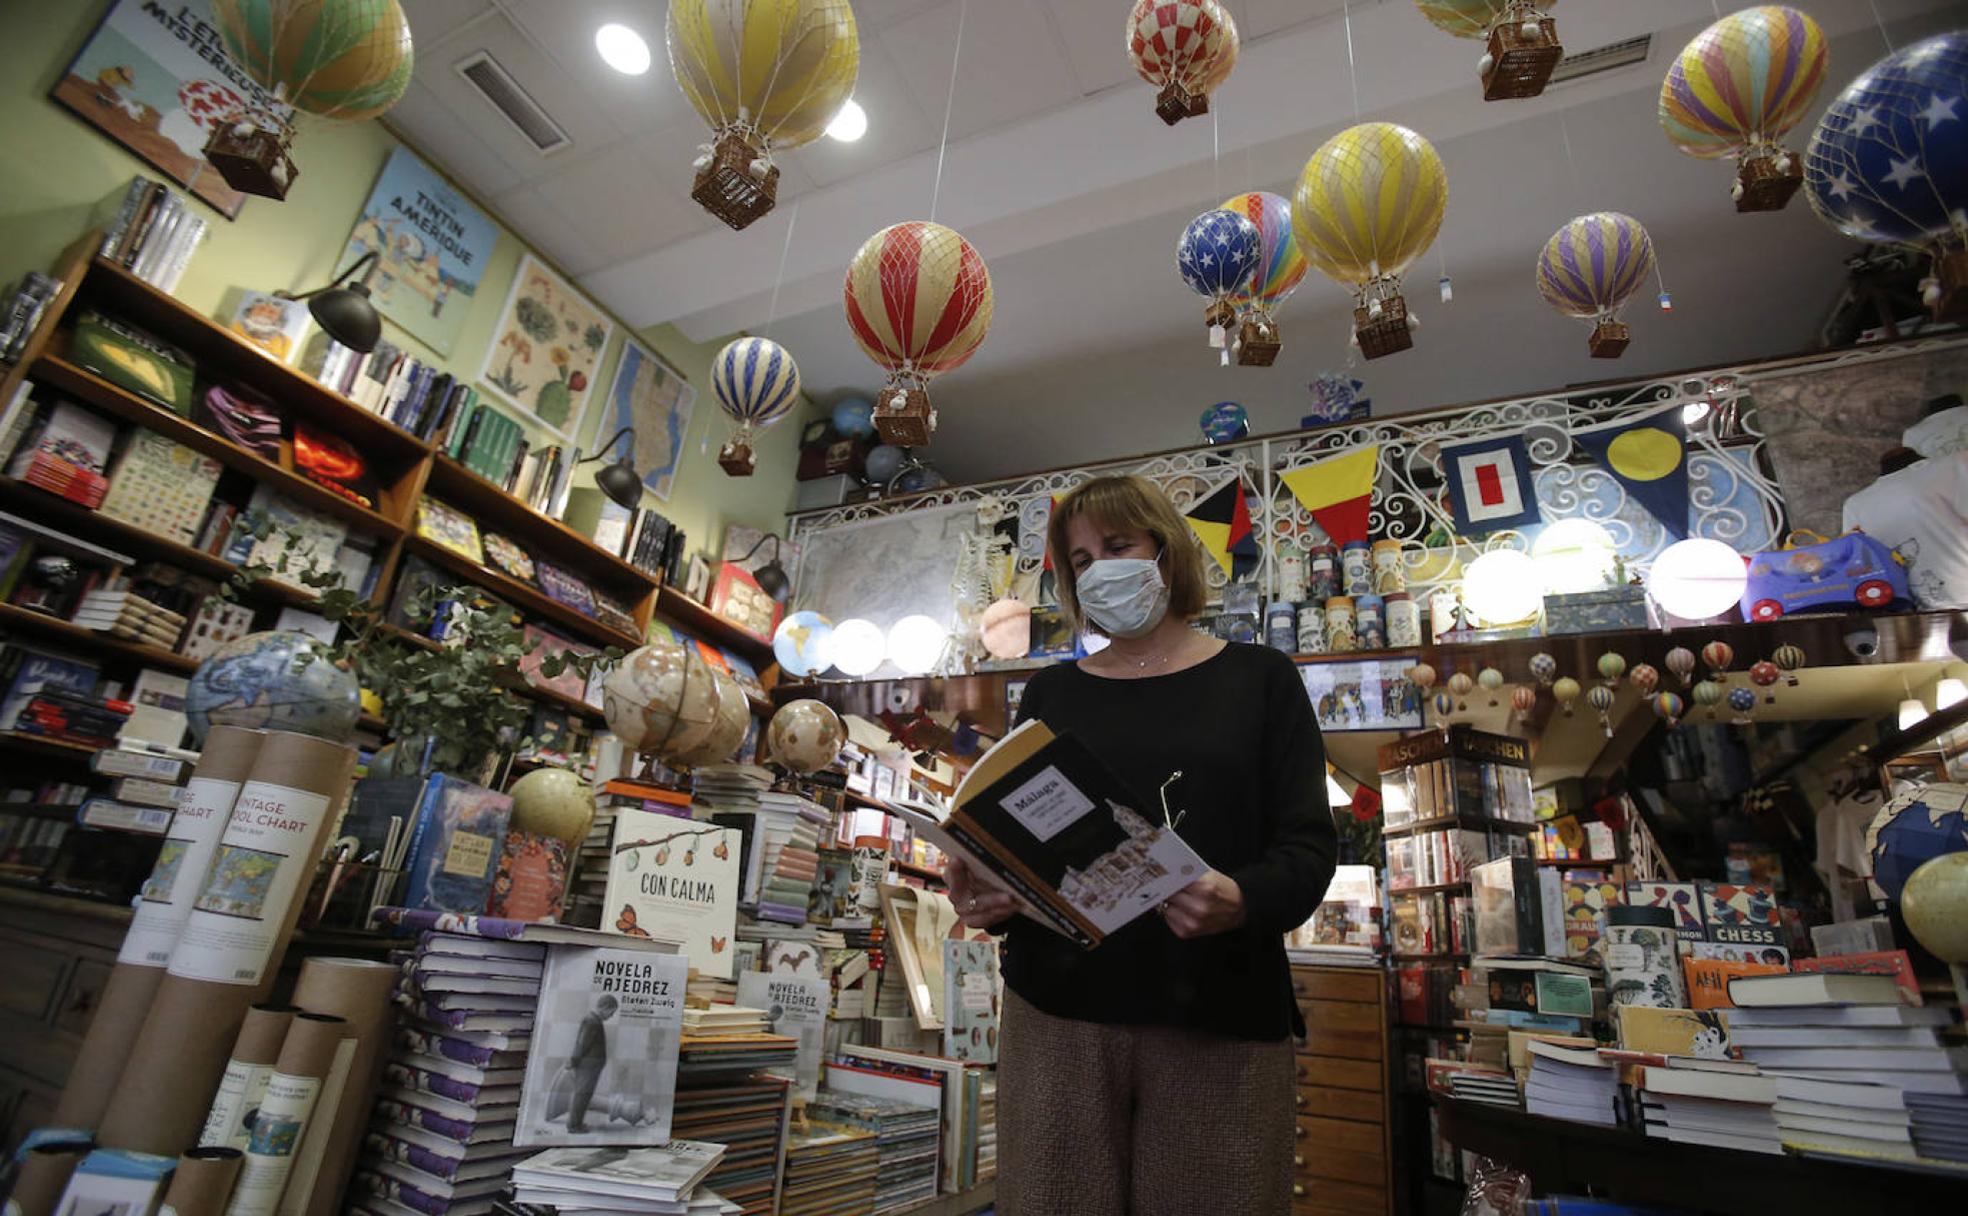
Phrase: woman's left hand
pixel 1212 904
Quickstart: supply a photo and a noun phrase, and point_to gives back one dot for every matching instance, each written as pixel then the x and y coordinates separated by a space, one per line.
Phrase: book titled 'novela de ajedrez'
pixel 1046 819
pixel 602 1069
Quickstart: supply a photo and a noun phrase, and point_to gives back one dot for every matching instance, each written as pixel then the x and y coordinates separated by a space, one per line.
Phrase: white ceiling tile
pixel 877 15
pixel 1096 44
pixel 434 22
pixel 438 133
pixel 897 127
pixel 564 30
pixel 619 203
pixel 538 218
pixel 556 92
pixel 1011 65
pixel 1256 18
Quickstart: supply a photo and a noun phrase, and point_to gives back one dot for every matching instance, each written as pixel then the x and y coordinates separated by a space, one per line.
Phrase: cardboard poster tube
pixel 307 1059
pixel 244 1082
pixel 43 1176
pixel 359 991
pixel 174 881
pixel 203 1182
pixel 229 951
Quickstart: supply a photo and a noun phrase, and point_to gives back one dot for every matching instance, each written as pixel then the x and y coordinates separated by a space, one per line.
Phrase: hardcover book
pixel 676 879
pixel 1047 820
pixel 1587 896
pixel 1895 963
pixel 540 643
pixel 133 361
pixel 445 525
pixel 663 1173
pixel 565 588
pixel 1674 1032
pixel 508 557
pixel 455 849
pixel 531 881
pixel 971 999
pixel 1518 908
pixel 1708 980
pixel 1683 899
pixel 276 326
pixel 602 1069
pixel 1740 915
pixel 161 487
pixel 796 1006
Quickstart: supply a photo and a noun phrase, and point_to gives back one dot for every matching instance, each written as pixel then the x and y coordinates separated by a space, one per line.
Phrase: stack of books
pixel 782 834
pixel 1571 1083
pixel 830 1170
pixel 712 1057
pixel 125 614
pixel 749 1118
pixel 1700 1101
pixel 153 234
pixel 987 1130
pixel 905 1142
pixel 725 1019
pixel 64 449
pixel 590 870
pixel 1939 1125
pixel 664 1180
pixel 1472 1082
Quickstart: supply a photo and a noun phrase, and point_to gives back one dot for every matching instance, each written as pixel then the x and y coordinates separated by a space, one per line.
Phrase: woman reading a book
pixel 1154 1073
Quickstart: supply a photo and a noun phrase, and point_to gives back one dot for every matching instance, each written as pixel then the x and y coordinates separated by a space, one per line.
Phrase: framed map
pixel 650 396
pixel 546 350
pixel 432 247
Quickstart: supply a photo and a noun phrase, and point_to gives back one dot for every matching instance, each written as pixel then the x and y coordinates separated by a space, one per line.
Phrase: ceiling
pixel 1059 172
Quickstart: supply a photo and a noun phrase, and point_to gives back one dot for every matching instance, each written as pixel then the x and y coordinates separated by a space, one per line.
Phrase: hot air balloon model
pixel 1565 690
pixel 1669 707
pixel 1524 45
pixel 1370 202
pixel 1612 665
pixel 1743 701
pixel 347 59
pixel 1681 661
pixel 1491 681
pixel 1523 699
pixel 757 383
pixel 1889 161
pixel 919 302
pixel 1445 706
pixel 1710 693
pixel 1460 684
pixel 1645 678
pixel 1741 86
pixel 1590 268
pixel 1544 668
pixel 1788 658
pixel 1718 656
pixel 1218 253
pixel 767 75
pixel 1422 676
pixel 1281 267
pixel 1763 673
pixel 1185 48
pixel 1600 698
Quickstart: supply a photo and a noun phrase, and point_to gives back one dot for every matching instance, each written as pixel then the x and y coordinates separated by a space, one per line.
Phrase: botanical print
pixel 650 396
pixel 432 247
pixel 547 348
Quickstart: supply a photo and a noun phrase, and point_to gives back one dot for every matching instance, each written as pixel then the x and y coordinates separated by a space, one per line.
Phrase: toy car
pixel 1829 576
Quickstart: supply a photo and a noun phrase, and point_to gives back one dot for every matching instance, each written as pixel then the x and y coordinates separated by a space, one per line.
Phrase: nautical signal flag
pixel 1338 491
pixel 1490 485
pixel 1648 456
pixel 1221 520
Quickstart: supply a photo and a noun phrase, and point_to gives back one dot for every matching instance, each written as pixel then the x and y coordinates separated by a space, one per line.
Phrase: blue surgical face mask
pixel 1124 597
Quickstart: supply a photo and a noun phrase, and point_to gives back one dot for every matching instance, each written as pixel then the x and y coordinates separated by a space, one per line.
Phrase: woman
pixel 1154 1073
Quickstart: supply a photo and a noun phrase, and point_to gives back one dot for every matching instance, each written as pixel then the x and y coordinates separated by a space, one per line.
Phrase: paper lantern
pixel 1218 253
pixel 1523 41
pixel 915 644
pixel 1697 578
pixel 1612 665
pixel 1889 160
pixel 1370 202
pixel 766 75
pixel 1574 555
pixel 1739 88
pixel 1565 690
pixel 1718 655
pixel 1281 267
pixel 1185 48
pixel 919 302
pixel 756 383
pixel 1590 268
pixel 1501 587
pixel 859 647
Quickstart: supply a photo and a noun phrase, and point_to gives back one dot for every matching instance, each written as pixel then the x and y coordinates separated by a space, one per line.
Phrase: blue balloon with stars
pixel 1742 700
pixel 1915 828
pixel 1225 422
pixel 1218 253
pixel 854 418
pixel 1889 161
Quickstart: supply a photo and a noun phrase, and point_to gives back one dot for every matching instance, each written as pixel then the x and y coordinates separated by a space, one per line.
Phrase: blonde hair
pixel 1128 504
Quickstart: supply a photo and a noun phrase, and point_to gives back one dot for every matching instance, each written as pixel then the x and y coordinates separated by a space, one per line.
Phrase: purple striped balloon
pixel 1594 264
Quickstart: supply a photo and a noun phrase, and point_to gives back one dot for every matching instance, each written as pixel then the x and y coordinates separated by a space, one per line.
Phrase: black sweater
pixel 1240 728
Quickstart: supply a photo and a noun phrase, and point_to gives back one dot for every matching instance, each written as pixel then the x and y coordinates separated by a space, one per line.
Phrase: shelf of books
pixel 523 596
pixel 698 620
pixel 495 509
pixel 107 645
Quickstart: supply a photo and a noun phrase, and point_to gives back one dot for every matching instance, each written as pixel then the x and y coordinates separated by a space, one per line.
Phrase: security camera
pixel 1862 642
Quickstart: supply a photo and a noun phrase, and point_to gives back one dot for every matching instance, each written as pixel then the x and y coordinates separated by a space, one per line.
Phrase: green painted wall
pixel 63 177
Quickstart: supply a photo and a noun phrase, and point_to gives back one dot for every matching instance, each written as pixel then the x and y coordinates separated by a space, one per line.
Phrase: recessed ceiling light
pixel 850 124
pixel 622 49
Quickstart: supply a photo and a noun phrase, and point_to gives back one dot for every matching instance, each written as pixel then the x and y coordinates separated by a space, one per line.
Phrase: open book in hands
pixel 1042 817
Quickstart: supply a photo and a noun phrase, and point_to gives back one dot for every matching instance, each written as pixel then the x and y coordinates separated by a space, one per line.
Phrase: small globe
pixel 883 463
pixel 1225 422
pixel 1935 904
pixel 278 680
pixel 553 802
pixel 854 418
pixel 805 736
pixel 1913 829
pixel 804 643
pixel 662 699
pixel 731 718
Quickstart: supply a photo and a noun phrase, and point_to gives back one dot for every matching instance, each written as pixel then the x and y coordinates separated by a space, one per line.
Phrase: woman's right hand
pixel 978 905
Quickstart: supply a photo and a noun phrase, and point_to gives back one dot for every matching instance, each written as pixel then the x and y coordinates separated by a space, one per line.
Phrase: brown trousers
pixel 1097 1120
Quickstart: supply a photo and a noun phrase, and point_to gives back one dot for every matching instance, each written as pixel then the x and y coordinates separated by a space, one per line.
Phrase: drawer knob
pixel 1298 1159
pixel 1300 1099
pixel 1299 1132
pixel 1298 1190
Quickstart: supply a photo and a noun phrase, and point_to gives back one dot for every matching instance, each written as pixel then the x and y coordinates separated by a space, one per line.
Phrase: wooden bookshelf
pixel 497 511
pixel 700 622
pixel 1560 863
pixel 67 633
pixel 1478 823
pixel 524 596
pixel 1440 886
pixel 926 873
pixel 17 743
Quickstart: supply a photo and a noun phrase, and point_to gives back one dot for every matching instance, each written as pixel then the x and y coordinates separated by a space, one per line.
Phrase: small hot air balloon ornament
pixel 1281 267
pixel 1460 684
pixel 1565 690
pixel 1612 665
pixel 1763 673
pixel 1544 668
pixel 1788 659
pixel 919 303
pixel 1217 255
pixel 1739 88
pixel 1681 661
pixel 1590 268
pixel 1708 694
pixel 1600 697
pixel 1523 699
pixel 1422 676
pixel 1491 681
pixel 1743 701
pixel 1669 707
pixel 756 383
pixel 1445 706
pixel 1523 42
pixel 1185 48
pixel 1645 679
pixel 1718 656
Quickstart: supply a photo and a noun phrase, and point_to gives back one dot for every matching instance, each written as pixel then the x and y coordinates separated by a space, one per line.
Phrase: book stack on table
pixel 905 1142
pixel 661 1180
pixel 782 838
pixel 1571 1083
pixel 830 1170
pixel 749 1118
pixel 719 1055
pixel 1717 1102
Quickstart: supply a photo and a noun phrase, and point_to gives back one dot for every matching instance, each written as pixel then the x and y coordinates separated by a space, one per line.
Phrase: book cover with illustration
pixel 278 327
pixel 675 879
pixel 443 524
pixel 795 1006
pixel 1895 963
pixel 1681 898
pixel 971 1001
pixel 603 1061
pixel 456 846
pixel 1587 895
pixel 531 881
pixel 1674 1032
pixel 1740 914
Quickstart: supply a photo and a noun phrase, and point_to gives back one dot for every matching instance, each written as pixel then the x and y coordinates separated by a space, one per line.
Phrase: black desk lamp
pixel 772 578
pixel 619 481
pixel 345 313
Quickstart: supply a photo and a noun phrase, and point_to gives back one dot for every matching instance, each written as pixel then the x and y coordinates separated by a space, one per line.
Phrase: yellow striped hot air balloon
pixel 1369 203
pixel 1523 41
pixel 1739 88
pixel 766 75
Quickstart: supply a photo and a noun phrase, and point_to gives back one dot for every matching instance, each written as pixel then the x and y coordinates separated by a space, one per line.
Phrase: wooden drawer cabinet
pixel 56 954
pixel 1341 1147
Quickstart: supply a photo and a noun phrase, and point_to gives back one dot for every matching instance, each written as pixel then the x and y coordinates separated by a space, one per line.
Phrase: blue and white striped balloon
pixel 755 381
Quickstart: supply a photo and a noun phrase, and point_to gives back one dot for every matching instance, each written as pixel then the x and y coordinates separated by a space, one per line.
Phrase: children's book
pixel 1681 898
pixel 675 879
pixel 531 881
pixel 443 524
pixel 456 846
pixel 1741 915
pixel 276 326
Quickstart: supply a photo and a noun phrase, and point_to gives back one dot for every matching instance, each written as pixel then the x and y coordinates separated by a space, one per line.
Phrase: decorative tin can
pixel 1403 620
pixel 1340 636
pixel 1323 582
pixel 1281 627
pixel 1291 577
pixel 1388 572
pixel 1369 626
pixel 1312 629
pixel 1356 568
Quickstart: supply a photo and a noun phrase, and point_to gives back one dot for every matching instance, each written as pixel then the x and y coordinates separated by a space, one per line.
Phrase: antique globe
pixel 1935 905
pixel 553 802
pixel 278 680
pixel 805 736
pixel 1915 828
pixel 662 699
pixel 731 717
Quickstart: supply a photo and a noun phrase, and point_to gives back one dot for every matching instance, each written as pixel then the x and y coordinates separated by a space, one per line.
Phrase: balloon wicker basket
pixel 1764 186
pixel 253 157
pixel 1386 334
pixel 727 187
pixel 736 457
pixel 903 417
pixel 1951 271
pixel 1257 343
pixel 1175 103
pixel 1521 64
pixel 1609 339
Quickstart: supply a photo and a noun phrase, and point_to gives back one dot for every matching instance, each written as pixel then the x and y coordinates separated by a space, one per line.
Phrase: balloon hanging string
pixel 1881 23
pixel 772 309
pixel 1565 134
pixel 949 107
pixel 1352 69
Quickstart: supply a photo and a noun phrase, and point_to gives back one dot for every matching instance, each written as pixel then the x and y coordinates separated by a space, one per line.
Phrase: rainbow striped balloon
pixel 755 381
pixel 1281 263
pixel 1744 82
pixel 337 58
pixel 1594 264
pixel 918 299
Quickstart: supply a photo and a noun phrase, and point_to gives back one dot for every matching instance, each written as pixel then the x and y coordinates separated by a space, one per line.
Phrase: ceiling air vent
pixel 1602 59
pixel 497 86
